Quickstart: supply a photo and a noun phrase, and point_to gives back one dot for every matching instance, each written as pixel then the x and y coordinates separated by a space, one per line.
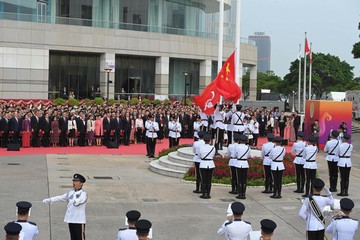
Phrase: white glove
pixel 327 191
pixel 46 200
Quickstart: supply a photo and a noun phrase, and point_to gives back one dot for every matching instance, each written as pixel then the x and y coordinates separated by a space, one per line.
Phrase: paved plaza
pixel 118 183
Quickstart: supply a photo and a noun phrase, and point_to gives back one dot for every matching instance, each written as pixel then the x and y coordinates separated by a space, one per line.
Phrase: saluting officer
pixel 12 230
pixel 151 135
pixel 298 149
pixel 311 210
pixel 344 164
pixel 204 121
pixel 76 202
pixel 331 147
pixel 219 118
pixel 237 228
pixel 129 233
pixel 231 153
pixel 29 229
pixel 237 120
pixel 174 131
pixel 265 154
pixel 310 165
pixel 277 166
pixel 206 154
pixel 242 153
pixel 197 127
pixel 267 229
pixel 342 227
pixel 196 150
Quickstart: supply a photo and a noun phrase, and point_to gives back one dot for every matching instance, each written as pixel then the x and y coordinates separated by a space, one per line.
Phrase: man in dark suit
pixel 5 130
pixel 15 127
pixel 126 124
pixel 63 127
pixel 117 127
pixel 107 128
pixel 184 121
pixel 262 120
pixel 282 123
pixel 166 120
pixel 45 126
pixel 296 123
pixel 35 126
pixel 81 127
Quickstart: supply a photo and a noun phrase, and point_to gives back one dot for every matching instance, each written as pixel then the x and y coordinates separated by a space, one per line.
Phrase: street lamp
pixel 293 105
pixel 108 70
pixel 185 74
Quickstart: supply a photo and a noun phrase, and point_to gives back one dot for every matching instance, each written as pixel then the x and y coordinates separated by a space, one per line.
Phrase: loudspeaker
pixel 112 145
pixel 13 147
pixel 285 142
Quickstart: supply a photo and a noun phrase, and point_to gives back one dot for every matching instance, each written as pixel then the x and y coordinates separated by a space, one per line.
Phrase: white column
pixel 162 76
pixel 205 75
pixel 107 59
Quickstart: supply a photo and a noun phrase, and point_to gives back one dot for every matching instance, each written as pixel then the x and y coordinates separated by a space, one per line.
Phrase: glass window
pixel 177 77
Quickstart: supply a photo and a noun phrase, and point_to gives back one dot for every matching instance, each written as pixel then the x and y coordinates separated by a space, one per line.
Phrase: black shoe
pixel 279 196
pixel 147 155
pixel 196 191
pixel 305 195
pixel 341 194
pixel 333 190
pixel 273 196
pixel 297 191
pixel 233 192
pixel 208 197
pixel 239 197
pixel 203 196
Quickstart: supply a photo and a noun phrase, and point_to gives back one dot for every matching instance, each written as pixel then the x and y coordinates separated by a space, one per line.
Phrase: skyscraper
pixel 263 43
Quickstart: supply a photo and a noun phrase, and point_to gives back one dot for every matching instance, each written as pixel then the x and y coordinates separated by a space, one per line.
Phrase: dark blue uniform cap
pixel 278 139
pixel 12 228
pixel 346 136
pixel 318 183
pixel 267 226
pixel 23 207
pixel 207 137
pixel 237 208
pixel 143 226
pixel 334 133
pixel 311 139
pixel 201 134
pixel 301 134
pixel 270 136
pixel 243 138
pixel 346 204
pixel 237 136
pixel 133 215
pixel 79 177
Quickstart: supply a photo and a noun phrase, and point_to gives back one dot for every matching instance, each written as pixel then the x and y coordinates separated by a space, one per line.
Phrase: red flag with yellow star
pixel 225 80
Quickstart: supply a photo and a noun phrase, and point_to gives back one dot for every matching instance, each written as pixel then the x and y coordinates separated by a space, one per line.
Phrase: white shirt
pixel 298 148
pixel 152 128
pixel 343 228
pixel 174 129
pixel 309 155
pixel 90 125
pixel 265 152
pixel 72 124
pixel 197 126
pixel 29 230
pixel 76 201
pixel 344 153
pixel 219 117
pixel 331 147
pixel 237 230
pixel 204 119
pixel 277 155
pixel 255 127
pixel 127 234
pixel 206 154
pixel 242 153
pixel 196 148
pixel 237 121
pixel 232 154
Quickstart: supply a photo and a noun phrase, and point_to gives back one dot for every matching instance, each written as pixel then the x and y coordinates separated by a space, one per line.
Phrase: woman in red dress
pixel 99 131
pixel 26 131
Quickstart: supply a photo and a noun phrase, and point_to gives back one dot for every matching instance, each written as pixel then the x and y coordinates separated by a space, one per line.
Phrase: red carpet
pixel 133 149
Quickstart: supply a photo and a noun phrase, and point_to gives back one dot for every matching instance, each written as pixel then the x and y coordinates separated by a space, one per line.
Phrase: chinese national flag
pixel 208 98
pixel 225 80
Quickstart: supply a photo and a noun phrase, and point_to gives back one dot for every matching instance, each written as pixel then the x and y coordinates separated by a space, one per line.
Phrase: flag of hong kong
pixel 208 98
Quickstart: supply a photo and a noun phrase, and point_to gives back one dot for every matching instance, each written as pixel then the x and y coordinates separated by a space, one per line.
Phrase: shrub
pixel 167 102
pixel 134 101
pixel 87 102
pixel 59 101
pixel 146 102
pixel 99 101
pixel 188 102
pixel 123 101
pixel 73 102
pixel 111 101
pixel 156 102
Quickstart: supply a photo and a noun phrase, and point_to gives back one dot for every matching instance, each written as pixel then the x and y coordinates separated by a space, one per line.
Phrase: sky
pixel 331 26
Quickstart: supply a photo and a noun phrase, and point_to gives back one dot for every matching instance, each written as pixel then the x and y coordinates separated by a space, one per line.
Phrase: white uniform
pixel 306 213
pixel 310 157
pixel 228 116
pixel 219 118
pixel 232 154
pixel 237 120
pixel 255 127
pixel 265 152
pixel 242 152
pixel 344 153
pixel 248 130
pixel 206 154
pixel 151 129
pixel 196 149
pixel 343 228
pixel 29 230
pixel 76 205
pixel 197 126
pixel 298 148
pixel 237 230
pixel 277 155
pixel 174 129
pixel 204 119
pixel 127 234
pixel 332 147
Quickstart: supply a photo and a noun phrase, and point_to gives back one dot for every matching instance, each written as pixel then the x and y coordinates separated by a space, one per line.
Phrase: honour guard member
pixel 267 229
pixel 142 229
pixel 255 130
pixel 342 227
pixel 196 150
pixel 344 164
pixel 219 117
pixel 331 147
pixel 229 126
pixel 236 228
pixel 197 127
pixel 204 121
pixel 12 230
pixel 310 165
pixel 29 229
pixel 311 210
pixel 277 166
pixel 174 131
pixel 76 202
pixel 265 154
pixel 151 134
pixel 231 153
pixel 242 153
pixel 298 149
pixel 248 130
pixel 237 120
pixel 148 122
pixel 129 233
pixel 207 165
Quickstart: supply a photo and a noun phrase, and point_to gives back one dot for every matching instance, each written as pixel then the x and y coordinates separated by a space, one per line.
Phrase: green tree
pixel 356 48
pixel 266 80
pixel 329 73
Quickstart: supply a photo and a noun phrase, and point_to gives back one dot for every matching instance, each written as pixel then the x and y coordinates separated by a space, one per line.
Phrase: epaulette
pixel 228 223
pixel 32 223
pixel 122 229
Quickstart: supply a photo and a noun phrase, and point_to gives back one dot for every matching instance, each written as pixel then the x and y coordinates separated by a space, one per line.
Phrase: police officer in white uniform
pixel 342 227
pixel 331 147
pixel 152 128
pixel 196 150
pixel 231 154
pixel 344 164
pixel 267 229
pixel 237 228
pixel 29 229
pixel 237 120
pixel 311 210
pixel 76 202
pixel 142 229
pixel 242 153
pixel 197 127
pixel 12 230
pixel 174 131
pixel 130 232
pixel 310 165
pixel 219 118
pixel 265 154
pixel 277 166
pixel 207 165
pixel 229 126
pixel 298 149
pixel 204 121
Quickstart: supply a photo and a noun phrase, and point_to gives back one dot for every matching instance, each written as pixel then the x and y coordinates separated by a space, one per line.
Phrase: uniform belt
pixel 196 130
pixel 277 160
pixel 239 124
pixel 310 160
pixel 203 119
pixel 298 155
pixel 266 155
pixel 240 159
pixel 331 153
pixel 206 159
pixel 344 157
pixel 218 121
pixel 151 131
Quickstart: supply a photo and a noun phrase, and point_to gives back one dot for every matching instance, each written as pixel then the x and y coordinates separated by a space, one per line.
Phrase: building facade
pixel 263 43
pixel 51 47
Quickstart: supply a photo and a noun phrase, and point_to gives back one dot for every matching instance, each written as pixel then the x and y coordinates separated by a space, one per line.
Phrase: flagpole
pixel 238 70
pixel 299 87
pixel 304 91
pixel 310 68
pixel 221 37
